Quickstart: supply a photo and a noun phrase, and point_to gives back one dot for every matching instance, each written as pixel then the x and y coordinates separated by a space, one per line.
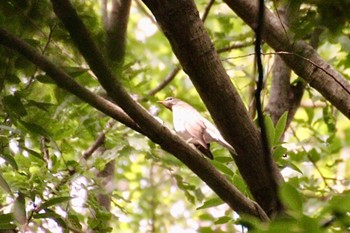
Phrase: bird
pixel 191 126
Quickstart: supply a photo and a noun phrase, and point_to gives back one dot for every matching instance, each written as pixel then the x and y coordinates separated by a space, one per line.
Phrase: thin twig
pixel 235 46
pixel 297 55
pixel 99 140
pixel 259 109
pixel 311 160
pixel 166 81
pixel 207 9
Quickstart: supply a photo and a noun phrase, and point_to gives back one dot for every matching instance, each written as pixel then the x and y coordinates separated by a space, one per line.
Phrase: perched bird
pixel 194 128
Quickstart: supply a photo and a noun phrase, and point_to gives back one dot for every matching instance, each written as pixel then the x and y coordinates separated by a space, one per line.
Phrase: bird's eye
pixel 169 99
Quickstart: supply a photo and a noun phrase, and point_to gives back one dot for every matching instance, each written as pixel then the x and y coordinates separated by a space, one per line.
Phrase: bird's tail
pixel 225 144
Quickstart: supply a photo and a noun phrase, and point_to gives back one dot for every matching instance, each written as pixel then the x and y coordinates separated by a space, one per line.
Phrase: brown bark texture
pixel 129 112
pixel 190 42
pixel 298 55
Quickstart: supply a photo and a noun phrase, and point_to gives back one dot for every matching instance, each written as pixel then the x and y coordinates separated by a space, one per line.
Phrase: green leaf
pixel 270 129
pixel 13 79
pixel 7 226
pixel 211 203
pixel 54 201
pixel 314 155
pixel 6 218
pixel 223 219
pixel 14 105
pixel 34 128
pixel 223 159
pixel 35 154
pixel 52 215
pixel 278 152
pixel 223 168
pixel 294 167
pixel 75 71
pixel 40 105
pixel 19 209
pixel 4 185
pixel 9 158
pixel 43 78
pixel 280 127
pixel 74 221
pixel 341 202
pixel 291 197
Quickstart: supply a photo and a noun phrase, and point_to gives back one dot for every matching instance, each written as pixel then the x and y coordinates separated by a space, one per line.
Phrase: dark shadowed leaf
pixel 44 79
pixel 10 160
pixel 14 105
pixel 4 185
pixel 54 201
pixel 35 129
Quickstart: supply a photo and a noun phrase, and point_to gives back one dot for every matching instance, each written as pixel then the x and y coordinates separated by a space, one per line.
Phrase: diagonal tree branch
pixel 150 126
pixel 331 84
pixel 63 80
pixel 115 23
pixel 156 132
pixel 191 44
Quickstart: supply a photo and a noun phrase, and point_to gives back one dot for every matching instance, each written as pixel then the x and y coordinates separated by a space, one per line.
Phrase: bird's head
pixel 169 102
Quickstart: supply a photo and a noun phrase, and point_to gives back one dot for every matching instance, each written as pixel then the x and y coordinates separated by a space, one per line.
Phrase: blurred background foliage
pixel 47 185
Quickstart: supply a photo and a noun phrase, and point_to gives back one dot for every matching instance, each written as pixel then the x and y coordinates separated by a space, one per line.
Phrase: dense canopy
pixel 86 147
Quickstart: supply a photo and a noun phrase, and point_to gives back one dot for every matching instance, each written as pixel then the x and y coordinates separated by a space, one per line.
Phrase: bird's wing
pixel 196 127
pixel 213 134
pixel 188 123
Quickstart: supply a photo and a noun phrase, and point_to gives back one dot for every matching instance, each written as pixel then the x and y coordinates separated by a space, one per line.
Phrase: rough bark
pixel 283 95
pixel 190 42
pixel 148 125
pixel 280 89
pixel 299 56
pixel 116 28
pixel 116 23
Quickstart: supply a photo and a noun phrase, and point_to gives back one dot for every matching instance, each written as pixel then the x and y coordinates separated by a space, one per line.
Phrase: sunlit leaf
pixel 291 197
pixel 223 220
pixel 223 168
pixel 211 203
pixel 280 127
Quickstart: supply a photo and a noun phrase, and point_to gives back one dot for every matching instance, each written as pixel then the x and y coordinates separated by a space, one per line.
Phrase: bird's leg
pixel 189 140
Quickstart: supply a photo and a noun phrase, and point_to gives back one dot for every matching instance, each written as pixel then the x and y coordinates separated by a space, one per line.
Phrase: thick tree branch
pixel 190 42
pixel 269 162
pixel 149 125
pixel 156 132
pixel 331 84
pixel 116 27
pixel 64 81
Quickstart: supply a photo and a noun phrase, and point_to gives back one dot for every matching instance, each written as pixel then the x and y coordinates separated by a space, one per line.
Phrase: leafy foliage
pixel 46 183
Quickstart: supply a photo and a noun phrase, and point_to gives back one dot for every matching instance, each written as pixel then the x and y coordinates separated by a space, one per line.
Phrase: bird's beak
pixel 164 103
